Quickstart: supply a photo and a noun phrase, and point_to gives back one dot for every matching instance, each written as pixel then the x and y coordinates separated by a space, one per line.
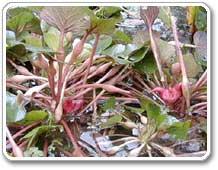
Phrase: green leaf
pixel 200 40
pixel 117 53
pixel 141 38
pixel 36 9
pixel 33 135
pixel 109 104
pixel 114 50
pixel 10 37
pixel 108 11
pixel 179 130
pixel 112 121
pixel 105 19
pixel 203 126
pixel 36 50
pixel 164 15
pixel 22 19
pixel 103 26
pixel 153 111
pixel 15 11
pixel 143 103
pixel 25 42
pixel 147 65
pixel 34 26
pixel 126 54
pixel 134 109
pixel 201 19
pixel 18 22
pixel 18 52
pixel 104 42
pixel 121 37
pixel 33 152
pixel 10 71
pixel 138 54
pixel 33 40
pixel 44 26
pixel 131 49
pixel 51 38
pixel 167 52
pixel 168 121
pixel 14 111
pixel 192 68
pixel 160 119
pixel 34 116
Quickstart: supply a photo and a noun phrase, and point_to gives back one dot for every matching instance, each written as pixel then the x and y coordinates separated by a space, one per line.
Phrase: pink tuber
pixel 71 105
pixel 169 95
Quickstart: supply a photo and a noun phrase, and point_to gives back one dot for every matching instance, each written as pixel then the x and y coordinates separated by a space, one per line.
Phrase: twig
pixel 183 44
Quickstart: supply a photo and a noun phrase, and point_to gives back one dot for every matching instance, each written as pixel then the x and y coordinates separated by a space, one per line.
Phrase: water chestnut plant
pixel 78 84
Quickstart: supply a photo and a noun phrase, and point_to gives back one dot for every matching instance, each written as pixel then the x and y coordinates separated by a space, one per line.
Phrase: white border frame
pixel 203 158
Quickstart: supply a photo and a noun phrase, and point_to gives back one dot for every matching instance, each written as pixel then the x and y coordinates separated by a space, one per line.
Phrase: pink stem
pixel 91 57
pixel 185 87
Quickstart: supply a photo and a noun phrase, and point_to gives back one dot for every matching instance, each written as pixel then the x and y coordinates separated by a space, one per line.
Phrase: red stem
pixel 156 55
pixel 66 70
pixel 201 81
pixel 23 145
pixel 199 105
pixel 185 81
pixel 107 87
pixel 91 57
pixel 19 133
pixel 60 57
pixel 51 73
pixel 45 148
pixel 65 152
pixel 77 151
pixel 70 135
